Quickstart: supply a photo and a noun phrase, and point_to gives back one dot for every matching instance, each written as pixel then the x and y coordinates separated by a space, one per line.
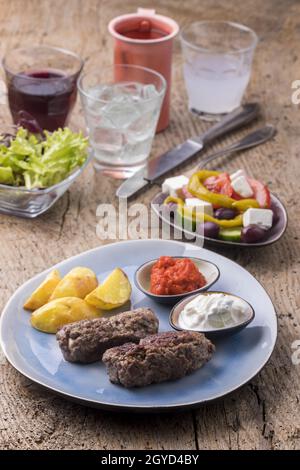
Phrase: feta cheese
pixel 263 217
pixel 242 187
pixel 205 206
pixel 237 173
pixel 172 185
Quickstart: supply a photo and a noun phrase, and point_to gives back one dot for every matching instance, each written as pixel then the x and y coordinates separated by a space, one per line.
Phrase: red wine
pixel 49 96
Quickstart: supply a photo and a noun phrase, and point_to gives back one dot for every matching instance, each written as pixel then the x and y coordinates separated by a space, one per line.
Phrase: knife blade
pixel 142 178
pixel 160 165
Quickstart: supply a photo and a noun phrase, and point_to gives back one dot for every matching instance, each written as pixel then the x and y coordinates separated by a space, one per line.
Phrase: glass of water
pixel 121 106
pixel 217 65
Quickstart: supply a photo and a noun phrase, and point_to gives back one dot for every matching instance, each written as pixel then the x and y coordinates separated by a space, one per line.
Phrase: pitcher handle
pixel 146 11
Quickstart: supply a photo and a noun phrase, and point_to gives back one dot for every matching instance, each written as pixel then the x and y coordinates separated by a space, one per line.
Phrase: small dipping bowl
pixel 211 333
pixel 142 280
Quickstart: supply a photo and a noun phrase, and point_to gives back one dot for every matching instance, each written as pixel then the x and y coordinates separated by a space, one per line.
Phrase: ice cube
pixel 106 122
pixel 126 91
pixel 92 101
pixel 137 152
pixel 149 92
pixel 98 119
pixel 108 144
pixel 143 127
pixel 121 114
pixel 111 138
pixel 101 92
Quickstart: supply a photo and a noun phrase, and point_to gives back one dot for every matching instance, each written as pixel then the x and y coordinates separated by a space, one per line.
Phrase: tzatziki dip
pixel 212 311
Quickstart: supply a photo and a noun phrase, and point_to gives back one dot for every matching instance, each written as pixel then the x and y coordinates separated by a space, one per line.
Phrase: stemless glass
pixel 41 81
pixel 217 65
pixel 121 105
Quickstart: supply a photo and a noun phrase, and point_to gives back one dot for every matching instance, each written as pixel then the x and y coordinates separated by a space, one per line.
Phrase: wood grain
pixel 265 413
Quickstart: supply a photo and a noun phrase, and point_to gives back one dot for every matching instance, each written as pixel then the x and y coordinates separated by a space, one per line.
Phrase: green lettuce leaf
pixel 6 175
pixel 33 163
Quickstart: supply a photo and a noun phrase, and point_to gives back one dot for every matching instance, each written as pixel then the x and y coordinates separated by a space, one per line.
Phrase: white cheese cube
pixel 172 185
pixel 237 173
pixel 205 206
pixel 263 217
pixel 242 187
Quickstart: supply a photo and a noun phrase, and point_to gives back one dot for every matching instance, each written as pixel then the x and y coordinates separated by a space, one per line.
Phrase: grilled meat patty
pixel 159 357
pixel 86 341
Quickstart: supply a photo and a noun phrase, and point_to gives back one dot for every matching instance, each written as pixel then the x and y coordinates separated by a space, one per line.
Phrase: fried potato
pixel 42 294
pixel 77 283
pixel 114 292
pixel 59 312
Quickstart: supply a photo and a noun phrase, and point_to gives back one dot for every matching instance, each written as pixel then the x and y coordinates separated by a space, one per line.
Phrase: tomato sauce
pixel 171 276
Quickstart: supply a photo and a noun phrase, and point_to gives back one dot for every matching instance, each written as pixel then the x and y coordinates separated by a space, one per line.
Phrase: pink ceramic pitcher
pixel 145 38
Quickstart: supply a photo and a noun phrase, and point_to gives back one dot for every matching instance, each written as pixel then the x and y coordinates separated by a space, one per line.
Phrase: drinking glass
pixel 121 106
pixel 41 81
pixel 217 65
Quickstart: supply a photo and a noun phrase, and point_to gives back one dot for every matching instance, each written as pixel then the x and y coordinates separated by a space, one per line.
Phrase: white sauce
pixel 207 312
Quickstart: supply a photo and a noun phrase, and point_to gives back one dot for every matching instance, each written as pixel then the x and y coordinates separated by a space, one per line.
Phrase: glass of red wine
pixel 41 81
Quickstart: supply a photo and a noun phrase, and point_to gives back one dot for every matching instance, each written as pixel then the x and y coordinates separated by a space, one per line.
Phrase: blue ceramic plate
pixel 37 355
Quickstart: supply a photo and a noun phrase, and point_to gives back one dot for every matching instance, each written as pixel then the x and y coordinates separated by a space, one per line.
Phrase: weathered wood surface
pixel 263 414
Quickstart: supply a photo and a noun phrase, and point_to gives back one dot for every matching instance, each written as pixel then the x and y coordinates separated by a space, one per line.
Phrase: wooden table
pixel 265 413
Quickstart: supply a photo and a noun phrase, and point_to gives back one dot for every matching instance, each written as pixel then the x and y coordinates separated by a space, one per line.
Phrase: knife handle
pixel 233 120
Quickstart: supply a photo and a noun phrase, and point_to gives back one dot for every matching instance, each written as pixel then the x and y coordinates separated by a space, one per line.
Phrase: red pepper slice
pixel 260 192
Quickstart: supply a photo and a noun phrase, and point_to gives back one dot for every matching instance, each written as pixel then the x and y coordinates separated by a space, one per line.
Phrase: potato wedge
pixel 114 292
pixel 42 294
pixel 59 312
pixel 77 283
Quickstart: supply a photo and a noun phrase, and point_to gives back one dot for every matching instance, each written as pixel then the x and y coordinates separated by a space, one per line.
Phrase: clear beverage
pixel 215 84
pixel 217 65
pixel 121 107
pixel 121 130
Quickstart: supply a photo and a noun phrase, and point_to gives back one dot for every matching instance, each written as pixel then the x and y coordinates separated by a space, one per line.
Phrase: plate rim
pixel 218 242
pixel 129 407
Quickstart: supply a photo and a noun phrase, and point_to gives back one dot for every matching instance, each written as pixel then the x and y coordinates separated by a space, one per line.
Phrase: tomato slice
pixel 220 184
pixel 260 192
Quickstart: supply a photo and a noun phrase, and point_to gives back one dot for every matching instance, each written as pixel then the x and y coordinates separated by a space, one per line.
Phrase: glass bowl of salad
pixel 37 167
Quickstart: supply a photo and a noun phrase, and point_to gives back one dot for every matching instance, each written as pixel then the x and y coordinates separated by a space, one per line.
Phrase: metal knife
pixel 159 166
